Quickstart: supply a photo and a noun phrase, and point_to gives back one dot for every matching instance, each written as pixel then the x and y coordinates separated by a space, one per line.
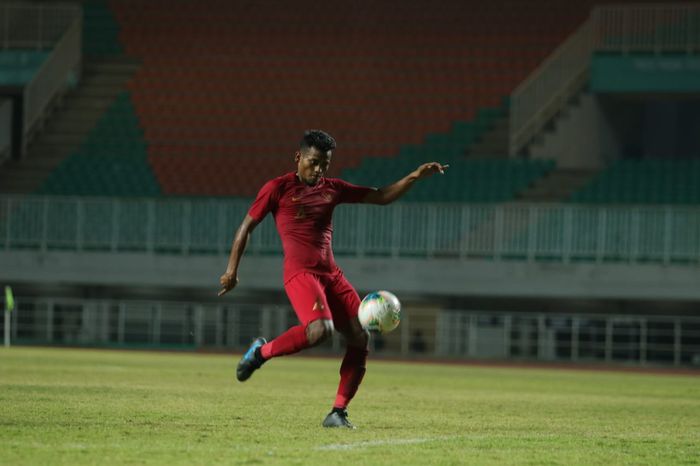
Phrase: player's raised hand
pixel 427 169
pixel 228 282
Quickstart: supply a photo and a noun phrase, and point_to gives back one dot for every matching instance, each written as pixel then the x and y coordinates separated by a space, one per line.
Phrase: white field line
pixel 377 443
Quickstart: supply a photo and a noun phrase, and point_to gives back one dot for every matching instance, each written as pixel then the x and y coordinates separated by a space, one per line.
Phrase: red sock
pixel 351 372
pixel 291 341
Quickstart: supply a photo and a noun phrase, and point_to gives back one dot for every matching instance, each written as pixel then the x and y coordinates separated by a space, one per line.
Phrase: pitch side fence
pixel 536 232
pixel 436 334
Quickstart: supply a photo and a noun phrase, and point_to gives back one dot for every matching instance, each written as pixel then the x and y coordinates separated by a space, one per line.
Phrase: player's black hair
pixel 318 139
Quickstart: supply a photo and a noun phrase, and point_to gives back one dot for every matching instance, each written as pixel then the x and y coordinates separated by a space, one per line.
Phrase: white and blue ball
pixel 380 311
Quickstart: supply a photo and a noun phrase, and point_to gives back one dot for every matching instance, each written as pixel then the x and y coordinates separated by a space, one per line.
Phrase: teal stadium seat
pixel 645 181
pixel 469 180
pixel 100 30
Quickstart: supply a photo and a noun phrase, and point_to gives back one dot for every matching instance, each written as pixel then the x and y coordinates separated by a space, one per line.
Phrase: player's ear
pixel 297 156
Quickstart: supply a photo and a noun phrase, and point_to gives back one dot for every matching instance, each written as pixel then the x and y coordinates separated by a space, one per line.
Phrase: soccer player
pixel 302 204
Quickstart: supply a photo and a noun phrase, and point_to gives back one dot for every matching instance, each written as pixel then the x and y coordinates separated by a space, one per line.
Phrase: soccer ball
pixel 380 311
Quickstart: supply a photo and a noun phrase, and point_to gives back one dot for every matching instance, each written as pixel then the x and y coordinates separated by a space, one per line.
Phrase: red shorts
pixel 316 297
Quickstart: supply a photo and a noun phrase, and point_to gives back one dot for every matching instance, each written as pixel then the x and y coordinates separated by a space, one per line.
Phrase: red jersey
pixel 303 215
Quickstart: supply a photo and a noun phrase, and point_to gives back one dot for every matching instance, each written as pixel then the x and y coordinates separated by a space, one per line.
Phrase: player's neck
pixel 301 180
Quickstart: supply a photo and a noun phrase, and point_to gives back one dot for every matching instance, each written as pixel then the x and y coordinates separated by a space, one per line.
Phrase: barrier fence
pixel 526 232
pixel 429 334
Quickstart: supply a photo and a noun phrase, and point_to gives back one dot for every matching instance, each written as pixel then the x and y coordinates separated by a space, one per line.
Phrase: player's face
pixel 312 165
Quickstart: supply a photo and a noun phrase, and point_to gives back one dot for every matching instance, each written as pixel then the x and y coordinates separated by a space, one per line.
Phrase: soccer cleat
pixel 251 360
pixel 338 418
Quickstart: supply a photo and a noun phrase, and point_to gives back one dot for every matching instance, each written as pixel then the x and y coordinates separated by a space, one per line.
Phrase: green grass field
pixel 61 406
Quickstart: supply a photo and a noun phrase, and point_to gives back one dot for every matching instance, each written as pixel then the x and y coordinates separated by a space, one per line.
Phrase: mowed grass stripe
pixel 63 406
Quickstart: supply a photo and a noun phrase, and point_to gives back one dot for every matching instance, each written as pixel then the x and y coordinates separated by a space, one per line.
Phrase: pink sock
pixel 291 341
pixel 351 372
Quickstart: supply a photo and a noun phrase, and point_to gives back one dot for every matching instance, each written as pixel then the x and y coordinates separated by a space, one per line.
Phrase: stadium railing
pixel 423 333
pixel 624 29
pixel 526 232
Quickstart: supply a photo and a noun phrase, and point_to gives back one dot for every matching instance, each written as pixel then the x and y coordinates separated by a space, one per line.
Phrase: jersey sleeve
pixel 266 201
pixel 351 193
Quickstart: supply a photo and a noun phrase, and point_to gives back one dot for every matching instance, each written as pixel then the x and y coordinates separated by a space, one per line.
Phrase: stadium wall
pixel 582 137
pixel 595 130
pixel 406 276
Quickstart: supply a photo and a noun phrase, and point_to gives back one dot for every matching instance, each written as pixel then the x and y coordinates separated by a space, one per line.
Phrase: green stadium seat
pixel 646 181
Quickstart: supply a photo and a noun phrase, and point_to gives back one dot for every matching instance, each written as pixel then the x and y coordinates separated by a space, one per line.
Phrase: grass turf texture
pixel 62 406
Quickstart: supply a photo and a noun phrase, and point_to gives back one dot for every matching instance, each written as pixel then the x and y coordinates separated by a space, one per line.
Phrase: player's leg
pixel 344 302
pixel 307 296
pixel 308 299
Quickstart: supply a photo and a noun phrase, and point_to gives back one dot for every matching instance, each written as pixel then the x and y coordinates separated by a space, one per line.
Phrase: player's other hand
pixel 228 282
pixel 428 169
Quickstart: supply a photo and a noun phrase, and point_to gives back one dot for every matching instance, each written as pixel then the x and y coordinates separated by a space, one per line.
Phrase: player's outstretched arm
pixel 229 279
pixel 389 194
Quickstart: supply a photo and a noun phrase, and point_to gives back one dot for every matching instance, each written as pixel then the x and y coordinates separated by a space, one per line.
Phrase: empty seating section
pixel 647 181
pixel 112 161
pixel 469 180
pixel 216 175
pixel 227 87
pixel 17 67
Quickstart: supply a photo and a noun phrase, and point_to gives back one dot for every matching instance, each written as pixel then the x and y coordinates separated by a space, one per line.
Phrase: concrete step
pixel 43 150
pixel 19 189
pixel 48 161
pixel 102 92
pixel 493 141
pixel 91 102
pixel 79 126
pixel 90 113
pixel 113 65
pixel 59 138
pixel 104 80
pixel 559 185
pixel 19 176
pixel 22 181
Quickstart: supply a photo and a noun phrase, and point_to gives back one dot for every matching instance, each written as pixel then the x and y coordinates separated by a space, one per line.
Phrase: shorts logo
pixel 318 305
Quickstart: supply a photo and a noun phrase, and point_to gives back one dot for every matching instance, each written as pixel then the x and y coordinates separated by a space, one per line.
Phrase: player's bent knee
pixel 319 331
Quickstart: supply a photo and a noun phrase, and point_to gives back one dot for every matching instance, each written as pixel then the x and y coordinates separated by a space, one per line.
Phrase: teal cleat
pixel 251 360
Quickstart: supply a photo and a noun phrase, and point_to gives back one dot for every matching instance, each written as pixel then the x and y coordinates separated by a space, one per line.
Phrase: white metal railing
pixel 556 232
pixel 648 28
pixel 628 28
pixel 34 25
pixel 446 333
